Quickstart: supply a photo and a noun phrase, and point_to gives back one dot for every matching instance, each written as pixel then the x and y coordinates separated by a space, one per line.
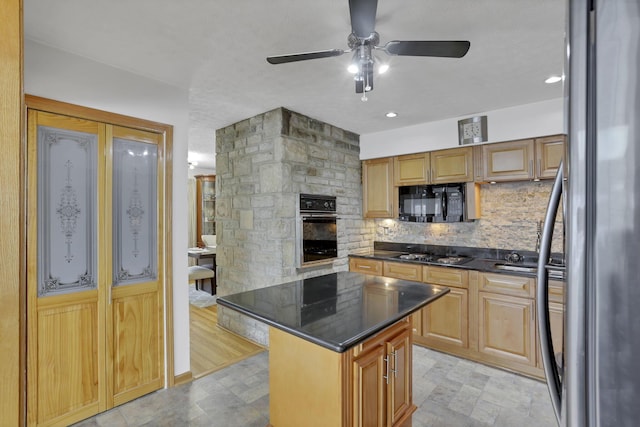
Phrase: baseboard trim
pixel 183 378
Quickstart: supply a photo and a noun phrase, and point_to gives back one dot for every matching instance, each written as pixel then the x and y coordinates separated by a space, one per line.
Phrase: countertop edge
pixel 346 345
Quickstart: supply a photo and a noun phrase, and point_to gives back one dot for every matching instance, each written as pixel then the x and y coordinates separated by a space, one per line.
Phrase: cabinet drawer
pixel 446 276
pixel 382 337
pixel 401 270
pixel 367 266
pixel 507 285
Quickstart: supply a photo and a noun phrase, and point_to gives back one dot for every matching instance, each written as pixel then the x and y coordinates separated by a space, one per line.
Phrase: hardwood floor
pixel 213 348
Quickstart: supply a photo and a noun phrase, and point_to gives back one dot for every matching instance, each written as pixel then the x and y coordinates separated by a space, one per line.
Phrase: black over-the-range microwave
pixel 437 203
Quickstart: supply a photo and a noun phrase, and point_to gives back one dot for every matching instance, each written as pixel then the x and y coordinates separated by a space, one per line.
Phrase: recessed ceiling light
pixel 553 79
pixel 391 114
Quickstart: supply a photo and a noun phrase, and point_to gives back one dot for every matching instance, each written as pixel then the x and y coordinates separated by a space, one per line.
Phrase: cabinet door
pixel 507 328
pixel 549 153
pixel 377 187
pixel 453 165
pixel 399 399
pixel 446 320
pixel 412 169
pixel 508 161
pixel 369 403
pixel 366 266
pixel 402 270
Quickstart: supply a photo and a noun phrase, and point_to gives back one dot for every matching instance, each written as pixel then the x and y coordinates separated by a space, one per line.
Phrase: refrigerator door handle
pixel 546 345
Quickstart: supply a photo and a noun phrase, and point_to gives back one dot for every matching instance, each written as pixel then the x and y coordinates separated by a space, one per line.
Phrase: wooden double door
pixel 95 271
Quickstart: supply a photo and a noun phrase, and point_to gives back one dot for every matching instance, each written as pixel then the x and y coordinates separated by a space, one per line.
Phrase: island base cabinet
pixel 366 386
pixel 306 383
pixel 382 392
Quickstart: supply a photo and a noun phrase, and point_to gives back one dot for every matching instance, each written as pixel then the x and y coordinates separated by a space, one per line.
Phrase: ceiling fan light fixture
pixel 383 68
pixel 353 68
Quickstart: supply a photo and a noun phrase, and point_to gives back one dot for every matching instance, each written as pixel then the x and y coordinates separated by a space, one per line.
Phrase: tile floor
pixel 448 391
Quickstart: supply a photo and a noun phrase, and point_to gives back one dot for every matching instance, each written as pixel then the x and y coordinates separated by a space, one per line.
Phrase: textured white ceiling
pixel 216 50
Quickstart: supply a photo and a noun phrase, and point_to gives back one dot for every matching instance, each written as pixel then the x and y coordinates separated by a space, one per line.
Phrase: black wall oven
pixel 317 231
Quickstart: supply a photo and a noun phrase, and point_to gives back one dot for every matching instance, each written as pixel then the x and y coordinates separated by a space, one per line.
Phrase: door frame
pixel 72 110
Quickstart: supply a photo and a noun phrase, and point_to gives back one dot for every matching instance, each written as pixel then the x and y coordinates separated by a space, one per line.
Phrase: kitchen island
pixel 339 347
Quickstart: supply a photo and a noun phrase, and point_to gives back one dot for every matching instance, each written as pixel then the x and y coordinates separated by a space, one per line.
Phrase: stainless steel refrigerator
pixel 599 382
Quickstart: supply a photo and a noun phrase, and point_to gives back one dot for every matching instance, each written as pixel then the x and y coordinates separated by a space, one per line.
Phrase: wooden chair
pixel 199 274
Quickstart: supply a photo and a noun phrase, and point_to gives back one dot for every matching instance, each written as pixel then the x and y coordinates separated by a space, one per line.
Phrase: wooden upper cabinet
pixel 452 165
pixel 377 186
pixel 411 169
pixel 478 168
pixel 435 167
pixel 508 161
pixel 549 154
pixel 525 159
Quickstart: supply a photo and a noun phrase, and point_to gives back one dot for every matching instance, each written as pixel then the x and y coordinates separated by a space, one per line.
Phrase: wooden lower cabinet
pixel 556 317
pixel 445 322
pixel 382 392
pixel 486 317
pixel 366 266
pixel 369 385
pixel 507 329
pixel 402 270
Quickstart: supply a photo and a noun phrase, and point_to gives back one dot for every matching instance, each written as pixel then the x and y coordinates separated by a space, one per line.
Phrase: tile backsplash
pixel 509 215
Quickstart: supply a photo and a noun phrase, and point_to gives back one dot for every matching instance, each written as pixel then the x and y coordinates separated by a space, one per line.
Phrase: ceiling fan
pixel 363 40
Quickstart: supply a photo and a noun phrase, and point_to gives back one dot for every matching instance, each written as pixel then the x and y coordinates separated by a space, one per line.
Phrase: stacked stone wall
pixel 262 165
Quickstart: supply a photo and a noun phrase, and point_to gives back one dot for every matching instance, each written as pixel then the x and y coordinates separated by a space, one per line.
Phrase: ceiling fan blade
pixel 363 17
pixel 446 49
pixel 282 59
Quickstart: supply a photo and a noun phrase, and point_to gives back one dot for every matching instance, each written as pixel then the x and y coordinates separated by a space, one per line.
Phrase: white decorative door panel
pixel 67 207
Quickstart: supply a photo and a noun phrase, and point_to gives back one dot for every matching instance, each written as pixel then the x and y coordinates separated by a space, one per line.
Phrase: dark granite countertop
pixel 480 259
pixel 336 311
